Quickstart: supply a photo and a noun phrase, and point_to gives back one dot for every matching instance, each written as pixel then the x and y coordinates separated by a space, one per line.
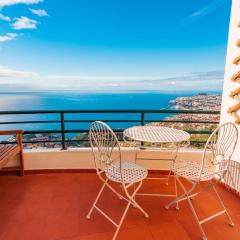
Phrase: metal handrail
pixel 110 111
pixel 61 113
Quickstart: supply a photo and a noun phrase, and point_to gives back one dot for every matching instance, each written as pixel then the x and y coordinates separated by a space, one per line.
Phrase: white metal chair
pixel 213 167
pixel 110 167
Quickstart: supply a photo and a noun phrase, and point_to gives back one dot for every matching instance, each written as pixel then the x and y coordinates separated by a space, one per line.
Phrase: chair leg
pixel 200 192
pixel 193 210
pixel 121 221
pixel 130 201
pixel 136 205
pixel 168 177
pixel 170 171
pixel 114 191
pixel 182 197
pixel 222 204
pixel 178 198
pixel 176 191
pixel 174 157
pixel 95 202
pixel 133 202
pixel 132 198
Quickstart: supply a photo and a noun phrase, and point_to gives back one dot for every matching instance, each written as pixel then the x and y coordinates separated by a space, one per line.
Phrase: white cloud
pixel 39 12
pixel 8 37
pixel 24 23
pixel 8 72
pixel 5 18
pixel 186 82
pixel 208 9
pixel 4 3
pixel 199 12
pixel 99 77
pixel 196 81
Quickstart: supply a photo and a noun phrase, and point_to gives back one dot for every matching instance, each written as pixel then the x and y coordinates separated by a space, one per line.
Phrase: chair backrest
pixel 105 146
pixel 219 149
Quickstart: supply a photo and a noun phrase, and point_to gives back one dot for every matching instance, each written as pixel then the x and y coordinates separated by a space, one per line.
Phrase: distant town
pixel 195 122
pixel 189 122
pixel 201 102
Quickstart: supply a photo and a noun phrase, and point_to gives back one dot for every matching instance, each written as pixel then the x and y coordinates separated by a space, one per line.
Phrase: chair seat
pixel 131 172
pixel 191 170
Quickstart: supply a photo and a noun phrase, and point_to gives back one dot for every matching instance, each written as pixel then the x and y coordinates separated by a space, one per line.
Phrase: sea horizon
pixel 113 92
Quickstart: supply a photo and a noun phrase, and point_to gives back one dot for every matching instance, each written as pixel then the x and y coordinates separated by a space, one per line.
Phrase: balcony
pixel 52 199
pixel 59 185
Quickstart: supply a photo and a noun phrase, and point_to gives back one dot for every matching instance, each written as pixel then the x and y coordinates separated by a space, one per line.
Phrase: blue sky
pixel 127 45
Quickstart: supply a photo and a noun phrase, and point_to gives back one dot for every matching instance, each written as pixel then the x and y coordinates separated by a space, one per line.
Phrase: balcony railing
pixel 80 120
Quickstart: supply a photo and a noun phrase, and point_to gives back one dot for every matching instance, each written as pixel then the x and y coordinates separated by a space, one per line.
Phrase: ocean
pixel 80 101
pixel 83 101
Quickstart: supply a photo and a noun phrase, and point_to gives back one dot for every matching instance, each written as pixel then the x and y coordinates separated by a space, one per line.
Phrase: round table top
pixel 156 134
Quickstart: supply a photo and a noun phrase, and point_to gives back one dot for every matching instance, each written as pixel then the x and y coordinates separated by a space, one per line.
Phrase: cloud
pixel 8 72
pixel 5 18
pixel 190 77
pixel 208 9
pixel 97 77
pixel 195 81
pixel 199 76
pixel 8 37
pixel 39 12
pixel 24 23
pixel 4 3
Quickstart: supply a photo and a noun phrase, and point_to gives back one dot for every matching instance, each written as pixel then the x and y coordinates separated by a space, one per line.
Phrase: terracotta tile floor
pixel 53 207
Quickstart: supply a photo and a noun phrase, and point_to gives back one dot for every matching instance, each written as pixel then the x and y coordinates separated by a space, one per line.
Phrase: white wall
pixel 82 158
pixel 230 69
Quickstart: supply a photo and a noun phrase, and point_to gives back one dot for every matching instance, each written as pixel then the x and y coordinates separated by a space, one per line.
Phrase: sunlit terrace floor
pixel 53 206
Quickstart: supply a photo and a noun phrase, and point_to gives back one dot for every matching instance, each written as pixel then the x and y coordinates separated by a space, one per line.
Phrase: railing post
pixel 63 131
pixel 142 118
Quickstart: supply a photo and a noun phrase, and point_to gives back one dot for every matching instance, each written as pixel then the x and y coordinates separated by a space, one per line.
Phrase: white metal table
pixel 158 136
